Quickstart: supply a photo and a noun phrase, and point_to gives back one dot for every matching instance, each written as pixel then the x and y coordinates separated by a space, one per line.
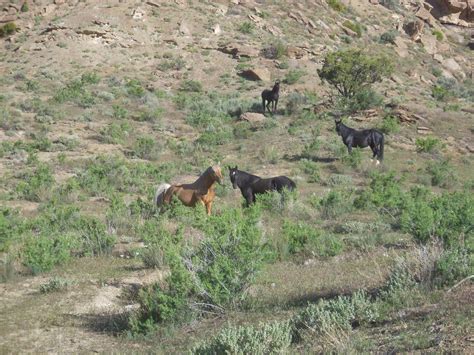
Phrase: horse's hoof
pixel 377 162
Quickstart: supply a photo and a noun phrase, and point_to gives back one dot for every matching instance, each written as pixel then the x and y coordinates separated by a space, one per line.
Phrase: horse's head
pixel 232 176
pixel 217 174
pixel 276 87
pixel 338 122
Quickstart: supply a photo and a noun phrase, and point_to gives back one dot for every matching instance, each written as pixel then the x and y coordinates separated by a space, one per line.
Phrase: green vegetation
pixel 351 71
pixel 438 34
pixel 271 338
pixel 428 144
pixel 353 26
pixel 336 5
pixel 247 27
pixel 7 29
pixel 293 76
pixel 55 284
pixel 389 37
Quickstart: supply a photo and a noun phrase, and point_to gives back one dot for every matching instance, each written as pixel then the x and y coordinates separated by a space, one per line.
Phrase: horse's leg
pixel 208 207
pixel 276 104
pixel 268 106
pixel 249 197
pixel 263 104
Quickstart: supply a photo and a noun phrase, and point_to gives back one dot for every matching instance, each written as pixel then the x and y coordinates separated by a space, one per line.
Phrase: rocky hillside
pixel 100 101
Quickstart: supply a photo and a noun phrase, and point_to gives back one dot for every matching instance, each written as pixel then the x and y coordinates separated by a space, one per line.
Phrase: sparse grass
pixel 8 29
pixel 336 5
pixel 293 76
pixel 428 144
pixel 55 284
pixel 247 27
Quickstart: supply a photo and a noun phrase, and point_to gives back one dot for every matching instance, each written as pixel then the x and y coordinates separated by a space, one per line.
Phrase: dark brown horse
pixel 271 96
pixel 251 185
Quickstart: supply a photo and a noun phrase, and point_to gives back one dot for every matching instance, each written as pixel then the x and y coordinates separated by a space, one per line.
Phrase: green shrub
pixel 35 184
pixel 93 237
pixel 55 284
pixel 339 180
pixel 43 251
pixel 191 86
pixel 440 93
pixel 353 159
pixel 294 103
pixel 311 169
pixel 438 34
pixel 353 26
pixel 276 51
pixel 441 172
pixel 134 88
pixel 119 112
pixel 7 29
pixel 247 27
pixel 293 76
pixel 270 338
pixel 146 148
pixel 11 227
pixel 164 303
pixel 428 144
pixel 213 137
pixel 363 100
pixel 453 265
pixel 116 133
pixel 90 78
pixel 334 317
pixel 24 7
pixel 384 191
pixel 335 203
pixel 449 217
pixel 172 64
pixel 351 71
pixel 436 71
pixel 150 116
pixel 230 256
pixel 336 5
pixel 390 124
pixel 397 291
pixel 389 37
pixel 298 235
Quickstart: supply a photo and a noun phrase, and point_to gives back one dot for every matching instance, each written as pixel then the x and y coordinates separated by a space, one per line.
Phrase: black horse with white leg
pixel 353 138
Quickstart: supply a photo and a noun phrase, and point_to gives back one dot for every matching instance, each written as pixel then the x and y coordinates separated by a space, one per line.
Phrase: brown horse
pixel 202 190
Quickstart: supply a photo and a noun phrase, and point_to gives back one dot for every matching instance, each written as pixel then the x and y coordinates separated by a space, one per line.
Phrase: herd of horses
pixel 202 191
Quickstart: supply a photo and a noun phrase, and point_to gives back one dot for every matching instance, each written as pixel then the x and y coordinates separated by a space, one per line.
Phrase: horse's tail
pixel 381 146
pixel 160 194
pixel 279 183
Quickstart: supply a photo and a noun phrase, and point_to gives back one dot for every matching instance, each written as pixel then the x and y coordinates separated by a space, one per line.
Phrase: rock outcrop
pixel 454 12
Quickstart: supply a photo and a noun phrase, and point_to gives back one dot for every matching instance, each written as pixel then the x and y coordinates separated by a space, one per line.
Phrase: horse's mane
pixel 248 174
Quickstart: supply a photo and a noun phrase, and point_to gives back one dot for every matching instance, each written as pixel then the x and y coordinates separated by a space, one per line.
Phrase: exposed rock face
pixel 262 74
pixel 455 12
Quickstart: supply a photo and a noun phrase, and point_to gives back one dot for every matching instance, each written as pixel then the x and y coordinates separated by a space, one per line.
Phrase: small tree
pixel 352 71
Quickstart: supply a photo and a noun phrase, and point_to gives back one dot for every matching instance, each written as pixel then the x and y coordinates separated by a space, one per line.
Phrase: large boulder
pixel 262 74
pixel 455 12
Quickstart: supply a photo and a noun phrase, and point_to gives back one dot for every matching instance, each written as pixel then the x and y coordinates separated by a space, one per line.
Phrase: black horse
pixel 250 185
pixel 271 96
pixel 361 139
